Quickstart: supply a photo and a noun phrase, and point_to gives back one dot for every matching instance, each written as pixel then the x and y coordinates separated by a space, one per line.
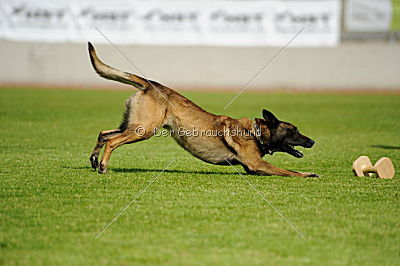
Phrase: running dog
pixel 233 142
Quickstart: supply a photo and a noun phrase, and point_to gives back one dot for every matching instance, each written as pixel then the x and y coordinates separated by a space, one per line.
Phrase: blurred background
pixel 204 45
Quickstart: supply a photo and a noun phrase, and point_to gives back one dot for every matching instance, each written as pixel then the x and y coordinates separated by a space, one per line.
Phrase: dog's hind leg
pixel 101 140
pixel 126 137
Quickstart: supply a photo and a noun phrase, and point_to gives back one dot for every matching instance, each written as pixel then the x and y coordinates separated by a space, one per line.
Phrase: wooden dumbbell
pixel 383 168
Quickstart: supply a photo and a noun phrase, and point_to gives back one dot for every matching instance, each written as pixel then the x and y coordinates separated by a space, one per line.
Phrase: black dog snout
pixel 309 143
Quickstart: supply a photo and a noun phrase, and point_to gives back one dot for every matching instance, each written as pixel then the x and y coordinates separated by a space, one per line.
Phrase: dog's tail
pixel 108 72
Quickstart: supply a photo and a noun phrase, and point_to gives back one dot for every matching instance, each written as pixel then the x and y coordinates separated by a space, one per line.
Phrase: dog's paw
pixel 310 175
pixel 102 169
pixel 94 161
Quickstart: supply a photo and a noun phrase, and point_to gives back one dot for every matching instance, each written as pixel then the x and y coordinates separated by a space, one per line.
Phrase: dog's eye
pixel 282 130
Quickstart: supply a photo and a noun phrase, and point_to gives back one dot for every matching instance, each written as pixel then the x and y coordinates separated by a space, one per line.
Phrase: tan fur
pixel 156 106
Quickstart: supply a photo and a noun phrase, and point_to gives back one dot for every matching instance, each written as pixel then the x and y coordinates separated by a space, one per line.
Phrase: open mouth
pixel 292 151
pixel 289 148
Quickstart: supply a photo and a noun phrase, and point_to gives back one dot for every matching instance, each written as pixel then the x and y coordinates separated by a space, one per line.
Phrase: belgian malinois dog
pixel 231 141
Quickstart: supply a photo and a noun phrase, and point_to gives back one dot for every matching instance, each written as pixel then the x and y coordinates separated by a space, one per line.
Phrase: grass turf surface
pixel 53 205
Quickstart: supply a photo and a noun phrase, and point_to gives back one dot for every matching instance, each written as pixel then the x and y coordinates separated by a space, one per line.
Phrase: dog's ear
pixel 271 120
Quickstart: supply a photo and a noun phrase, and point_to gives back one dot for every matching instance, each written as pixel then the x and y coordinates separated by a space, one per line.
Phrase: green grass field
pixel 53 205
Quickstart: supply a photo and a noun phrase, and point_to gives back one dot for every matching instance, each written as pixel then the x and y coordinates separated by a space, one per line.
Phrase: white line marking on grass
pixel 266 200
pixel 135 198
pixel 127 59
pixel 259 72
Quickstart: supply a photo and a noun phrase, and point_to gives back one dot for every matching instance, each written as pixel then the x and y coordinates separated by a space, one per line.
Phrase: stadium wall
pixel 351 65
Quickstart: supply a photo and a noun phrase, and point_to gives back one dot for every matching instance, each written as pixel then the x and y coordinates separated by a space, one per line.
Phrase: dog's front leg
pixel 261 167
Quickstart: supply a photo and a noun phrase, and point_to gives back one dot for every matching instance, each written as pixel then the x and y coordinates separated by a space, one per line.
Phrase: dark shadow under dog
pixel 144 170
pixel 385 147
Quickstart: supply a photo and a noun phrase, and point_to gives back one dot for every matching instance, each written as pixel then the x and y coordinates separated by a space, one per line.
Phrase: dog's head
pixel 281 136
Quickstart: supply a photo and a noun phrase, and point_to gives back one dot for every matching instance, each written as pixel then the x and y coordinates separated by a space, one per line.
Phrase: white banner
pixel 38 20
pixel 237 23
pixel 115 21
pixel 170 22
pixel 368 15
pixel 320 20
pixel 228 23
